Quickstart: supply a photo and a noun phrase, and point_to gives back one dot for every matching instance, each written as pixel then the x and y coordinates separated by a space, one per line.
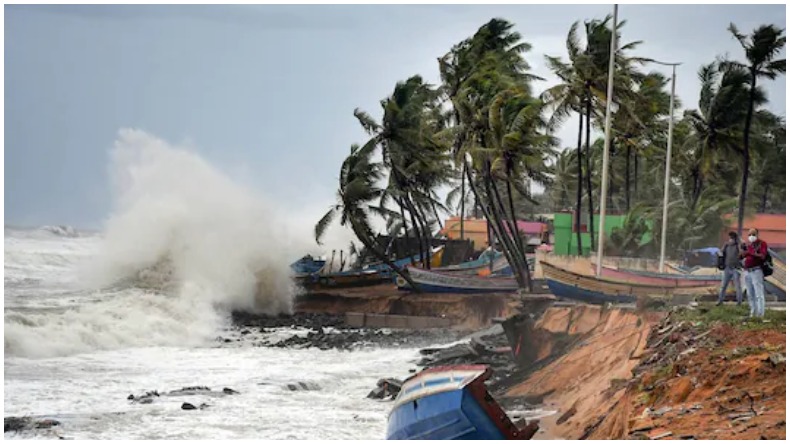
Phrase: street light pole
pixel 669 162
pixel 608 131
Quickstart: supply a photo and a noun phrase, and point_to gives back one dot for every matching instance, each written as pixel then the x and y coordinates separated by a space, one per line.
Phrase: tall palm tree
pixel 582 89
pixel 357 190
pixel 724 103
pixel 762 48
pixel 490 62
pixel 414 160
pixel 564 179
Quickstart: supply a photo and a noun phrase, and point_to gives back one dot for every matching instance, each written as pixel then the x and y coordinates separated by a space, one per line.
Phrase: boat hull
pixel 449 403
pixel 432 282
pixel 566 284
pixel 649 278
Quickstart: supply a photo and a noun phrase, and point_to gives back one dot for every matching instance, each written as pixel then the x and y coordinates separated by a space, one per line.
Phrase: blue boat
pixel 307 265
pixel 450 402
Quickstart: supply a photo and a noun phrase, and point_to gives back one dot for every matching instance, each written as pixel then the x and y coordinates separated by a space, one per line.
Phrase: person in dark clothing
pixel 754 254
pixel 732 267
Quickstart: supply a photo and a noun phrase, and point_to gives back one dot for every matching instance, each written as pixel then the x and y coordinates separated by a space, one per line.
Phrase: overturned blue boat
pixel 451 402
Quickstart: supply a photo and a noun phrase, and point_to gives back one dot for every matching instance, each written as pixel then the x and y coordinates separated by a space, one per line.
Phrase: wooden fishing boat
pixel 570 285
pixel 450 402
pixel 433 282
pixel 343 279
pixel 473 267
pixel 662 279
pixel 307 265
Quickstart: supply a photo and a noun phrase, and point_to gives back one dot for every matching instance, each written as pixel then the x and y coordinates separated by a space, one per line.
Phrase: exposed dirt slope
pixel 703 379
pixel 585 381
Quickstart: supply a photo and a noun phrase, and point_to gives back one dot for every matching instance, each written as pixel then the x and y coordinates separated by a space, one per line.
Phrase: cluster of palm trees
pixel 487 135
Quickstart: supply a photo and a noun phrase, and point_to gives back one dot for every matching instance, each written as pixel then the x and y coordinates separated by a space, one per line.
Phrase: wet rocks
pixel 188 406
pixel 302 386
pixel 149 397
pixel 17 424
pixel 309 320
pixel 389 387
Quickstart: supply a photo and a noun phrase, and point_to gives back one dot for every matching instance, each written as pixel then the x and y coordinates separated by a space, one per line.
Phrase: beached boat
pixel 474 266
pixel 653 278
pixel 450 402
pixel 570 285
pixel 307 265
pixel 433 282
pixel 343 279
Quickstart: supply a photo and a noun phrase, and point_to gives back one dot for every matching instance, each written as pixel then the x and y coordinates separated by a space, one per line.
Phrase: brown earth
pixel 731 386
pixel 619 374
pixel 585 380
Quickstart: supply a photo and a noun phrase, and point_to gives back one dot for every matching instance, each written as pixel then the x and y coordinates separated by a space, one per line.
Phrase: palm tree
pixel 563 179
pixel 488 63
pixel 416 162
pixel 716 126
pixel 358 178
pixel 583 90
pixel 636 123
pixel 761 48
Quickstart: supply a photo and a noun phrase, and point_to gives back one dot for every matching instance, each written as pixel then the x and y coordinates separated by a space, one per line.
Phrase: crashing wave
pixel 61 230
pixel 185 245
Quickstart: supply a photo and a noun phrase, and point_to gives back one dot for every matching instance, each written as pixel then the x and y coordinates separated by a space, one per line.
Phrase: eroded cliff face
pixel 693 373
pixel 575 361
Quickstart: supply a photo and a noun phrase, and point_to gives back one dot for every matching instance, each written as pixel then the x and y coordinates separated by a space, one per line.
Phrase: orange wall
pixel 475 230
pixel 772 228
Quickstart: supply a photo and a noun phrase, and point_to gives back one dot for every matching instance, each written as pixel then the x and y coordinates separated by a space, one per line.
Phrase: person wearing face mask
pixel 754 254
pixel 732 267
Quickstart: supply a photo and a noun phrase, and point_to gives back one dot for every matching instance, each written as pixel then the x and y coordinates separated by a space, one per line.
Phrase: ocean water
pixel 90 318
pixel 75 354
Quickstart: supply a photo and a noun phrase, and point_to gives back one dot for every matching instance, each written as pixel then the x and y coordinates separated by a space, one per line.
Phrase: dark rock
pixel 130 397
pixel 146 400
pixel 188 406
pixel 229 391
pixel 15 424
pixel 302 386
pixel 47 423
pixel 376 393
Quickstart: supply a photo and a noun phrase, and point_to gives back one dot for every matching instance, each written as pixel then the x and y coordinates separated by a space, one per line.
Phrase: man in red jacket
pixel 754 253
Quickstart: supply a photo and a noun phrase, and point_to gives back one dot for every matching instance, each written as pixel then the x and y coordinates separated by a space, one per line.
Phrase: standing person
pixel 754 254
pixel 732 265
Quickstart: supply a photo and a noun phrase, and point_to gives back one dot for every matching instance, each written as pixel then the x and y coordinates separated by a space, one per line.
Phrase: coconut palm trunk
pixel 578 217
pixel 591 227
pixel 370 245
pixel 746 131
pixel 519 241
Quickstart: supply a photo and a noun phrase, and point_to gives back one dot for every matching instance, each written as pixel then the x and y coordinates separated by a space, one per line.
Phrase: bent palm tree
pixel 358 177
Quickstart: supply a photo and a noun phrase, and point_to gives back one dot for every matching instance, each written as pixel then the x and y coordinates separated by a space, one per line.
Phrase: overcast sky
pixel 267 93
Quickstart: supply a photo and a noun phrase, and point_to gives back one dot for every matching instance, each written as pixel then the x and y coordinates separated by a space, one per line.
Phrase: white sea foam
pixel 184 246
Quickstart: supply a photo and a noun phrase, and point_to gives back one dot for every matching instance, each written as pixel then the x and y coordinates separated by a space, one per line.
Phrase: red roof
pixel 772 228
pixel 531 227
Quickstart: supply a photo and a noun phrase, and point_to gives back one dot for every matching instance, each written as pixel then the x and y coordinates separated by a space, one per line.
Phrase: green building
pixel 565 236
